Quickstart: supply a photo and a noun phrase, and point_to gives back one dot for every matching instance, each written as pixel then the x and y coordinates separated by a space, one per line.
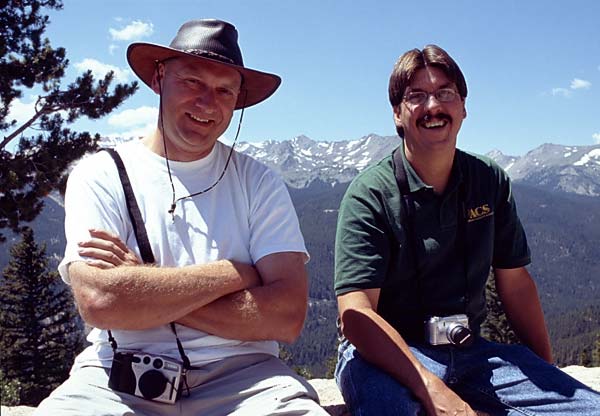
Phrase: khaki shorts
pixel 254 384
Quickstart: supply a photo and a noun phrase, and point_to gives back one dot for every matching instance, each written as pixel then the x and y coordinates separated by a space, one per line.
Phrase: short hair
pixel 415 59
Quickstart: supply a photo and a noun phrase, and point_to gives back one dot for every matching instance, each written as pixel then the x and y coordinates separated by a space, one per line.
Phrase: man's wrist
pixel 426 383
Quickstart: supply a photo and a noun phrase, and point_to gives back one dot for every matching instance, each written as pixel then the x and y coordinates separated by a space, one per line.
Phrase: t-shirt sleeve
pixel 362 248
pixel 274 226
pixel 91 202
pixel 510 244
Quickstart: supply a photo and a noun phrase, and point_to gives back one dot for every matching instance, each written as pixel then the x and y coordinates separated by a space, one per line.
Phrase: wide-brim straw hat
pixel 206 40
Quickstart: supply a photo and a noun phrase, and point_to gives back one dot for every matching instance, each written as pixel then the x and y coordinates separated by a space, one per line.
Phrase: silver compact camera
pixel 144 375
pixel 453 329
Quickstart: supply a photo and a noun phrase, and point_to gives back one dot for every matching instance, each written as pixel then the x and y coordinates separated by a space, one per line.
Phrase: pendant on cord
pixel 172 210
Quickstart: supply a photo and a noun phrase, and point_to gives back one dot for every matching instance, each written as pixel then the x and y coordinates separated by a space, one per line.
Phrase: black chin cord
pixel 175 200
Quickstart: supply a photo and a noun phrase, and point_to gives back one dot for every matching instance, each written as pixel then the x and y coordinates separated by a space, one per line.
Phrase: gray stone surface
pixel 332 401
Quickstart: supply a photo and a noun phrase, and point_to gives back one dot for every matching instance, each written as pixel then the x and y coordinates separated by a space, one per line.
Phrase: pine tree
pixel 496 326
pixel 41 331
pixel 596 352
pixel 330 365
pixel 28 60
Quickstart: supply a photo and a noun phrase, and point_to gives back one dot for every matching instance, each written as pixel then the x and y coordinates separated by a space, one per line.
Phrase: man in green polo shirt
pixel 417 235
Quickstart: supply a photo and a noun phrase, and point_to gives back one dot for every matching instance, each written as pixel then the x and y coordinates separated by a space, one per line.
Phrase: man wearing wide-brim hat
pixel 192 272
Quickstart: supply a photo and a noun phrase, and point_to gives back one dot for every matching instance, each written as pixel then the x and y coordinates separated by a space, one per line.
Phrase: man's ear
pixel 397 116
pixel 160 68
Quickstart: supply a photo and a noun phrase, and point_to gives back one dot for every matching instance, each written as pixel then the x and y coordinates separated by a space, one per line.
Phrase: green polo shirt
pixel 457 237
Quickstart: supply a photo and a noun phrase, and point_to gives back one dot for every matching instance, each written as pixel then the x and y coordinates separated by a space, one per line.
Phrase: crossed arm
pixel 265 301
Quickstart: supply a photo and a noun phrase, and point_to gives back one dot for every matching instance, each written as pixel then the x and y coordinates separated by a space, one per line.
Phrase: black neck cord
pixel 408 204
pixel 175 200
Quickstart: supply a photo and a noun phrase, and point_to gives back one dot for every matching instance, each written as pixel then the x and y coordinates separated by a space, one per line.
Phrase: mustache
pixel 439 116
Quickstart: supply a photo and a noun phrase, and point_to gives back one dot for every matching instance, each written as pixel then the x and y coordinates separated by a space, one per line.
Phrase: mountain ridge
pixel 301 160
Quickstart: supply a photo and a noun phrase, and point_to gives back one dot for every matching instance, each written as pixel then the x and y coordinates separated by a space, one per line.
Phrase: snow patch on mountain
pixel 301 161
pixel 573 169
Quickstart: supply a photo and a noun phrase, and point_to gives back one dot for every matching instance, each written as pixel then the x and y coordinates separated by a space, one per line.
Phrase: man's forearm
pixel 273 312
pixel 380 344
pixel 527 319
pixel 141 297
pixel 521 304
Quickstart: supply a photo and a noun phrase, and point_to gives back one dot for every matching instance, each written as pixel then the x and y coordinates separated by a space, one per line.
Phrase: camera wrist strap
pixel 141 236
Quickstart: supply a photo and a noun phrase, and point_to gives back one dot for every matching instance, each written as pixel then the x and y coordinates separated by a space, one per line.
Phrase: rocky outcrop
pixel 588 376
pixel 332 401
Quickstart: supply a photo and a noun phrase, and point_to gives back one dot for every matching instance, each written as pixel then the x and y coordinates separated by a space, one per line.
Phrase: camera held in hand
pixel 452 329
pixel 144 375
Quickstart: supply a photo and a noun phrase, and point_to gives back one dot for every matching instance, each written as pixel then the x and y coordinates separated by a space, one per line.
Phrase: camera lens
pixel 146 360
pixel 152 384
pixel 460 335
pixel 158 363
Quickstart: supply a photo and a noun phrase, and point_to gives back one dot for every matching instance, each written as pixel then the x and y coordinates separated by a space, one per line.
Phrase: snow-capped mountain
pixel 503 160
pixel 573 169
pixel 301 161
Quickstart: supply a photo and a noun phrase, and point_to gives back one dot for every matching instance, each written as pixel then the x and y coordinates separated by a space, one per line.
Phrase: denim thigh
pixel 493 378
pixel 367 390
pixel 511 380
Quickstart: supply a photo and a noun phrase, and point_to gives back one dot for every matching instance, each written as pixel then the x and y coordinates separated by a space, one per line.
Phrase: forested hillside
pixel 564 235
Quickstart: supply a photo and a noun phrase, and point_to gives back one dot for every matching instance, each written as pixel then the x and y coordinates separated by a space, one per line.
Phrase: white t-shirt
pixel 247 216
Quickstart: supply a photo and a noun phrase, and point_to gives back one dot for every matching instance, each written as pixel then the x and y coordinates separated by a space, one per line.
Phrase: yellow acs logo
pixel 477 213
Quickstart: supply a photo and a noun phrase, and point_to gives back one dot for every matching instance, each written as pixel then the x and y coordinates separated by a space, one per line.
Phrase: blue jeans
pixel 493 378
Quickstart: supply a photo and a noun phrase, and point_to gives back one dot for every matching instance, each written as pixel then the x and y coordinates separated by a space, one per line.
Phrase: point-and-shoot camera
pixel 145 375
pixel 452 329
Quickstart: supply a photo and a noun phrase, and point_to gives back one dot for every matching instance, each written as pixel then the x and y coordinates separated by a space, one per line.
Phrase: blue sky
pixel 532 67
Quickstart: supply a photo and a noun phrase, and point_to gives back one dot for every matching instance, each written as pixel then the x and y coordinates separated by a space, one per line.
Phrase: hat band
pixel 209 54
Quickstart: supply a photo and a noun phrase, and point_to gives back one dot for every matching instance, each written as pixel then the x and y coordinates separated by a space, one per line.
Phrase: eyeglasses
pixel 443 95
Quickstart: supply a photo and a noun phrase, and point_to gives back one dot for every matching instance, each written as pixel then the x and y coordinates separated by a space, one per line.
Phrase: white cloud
pixel 577 84
pixel 133 31
pixel 132 123
pixel 596 137
pixel 134 118
pixel 21 111
pixel 99 69
pixel 135 133
pixel 112 48
pixel 561 91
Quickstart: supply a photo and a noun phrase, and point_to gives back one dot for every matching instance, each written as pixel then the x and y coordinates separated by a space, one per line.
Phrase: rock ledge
pixel 332 401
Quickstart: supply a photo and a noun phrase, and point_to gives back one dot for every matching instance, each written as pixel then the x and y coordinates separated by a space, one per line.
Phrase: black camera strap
pixel 141 236
pixel 407 222
pixel 406 218
pixel 134 211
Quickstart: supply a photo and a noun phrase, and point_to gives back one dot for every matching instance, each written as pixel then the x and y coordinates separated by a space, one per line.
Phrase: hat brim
pixel 257 85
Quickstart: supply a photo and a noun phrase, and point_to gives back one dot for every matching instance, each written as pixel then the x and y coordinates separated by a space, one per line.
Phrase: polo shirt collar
pixel 456 175
pixel 415 183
